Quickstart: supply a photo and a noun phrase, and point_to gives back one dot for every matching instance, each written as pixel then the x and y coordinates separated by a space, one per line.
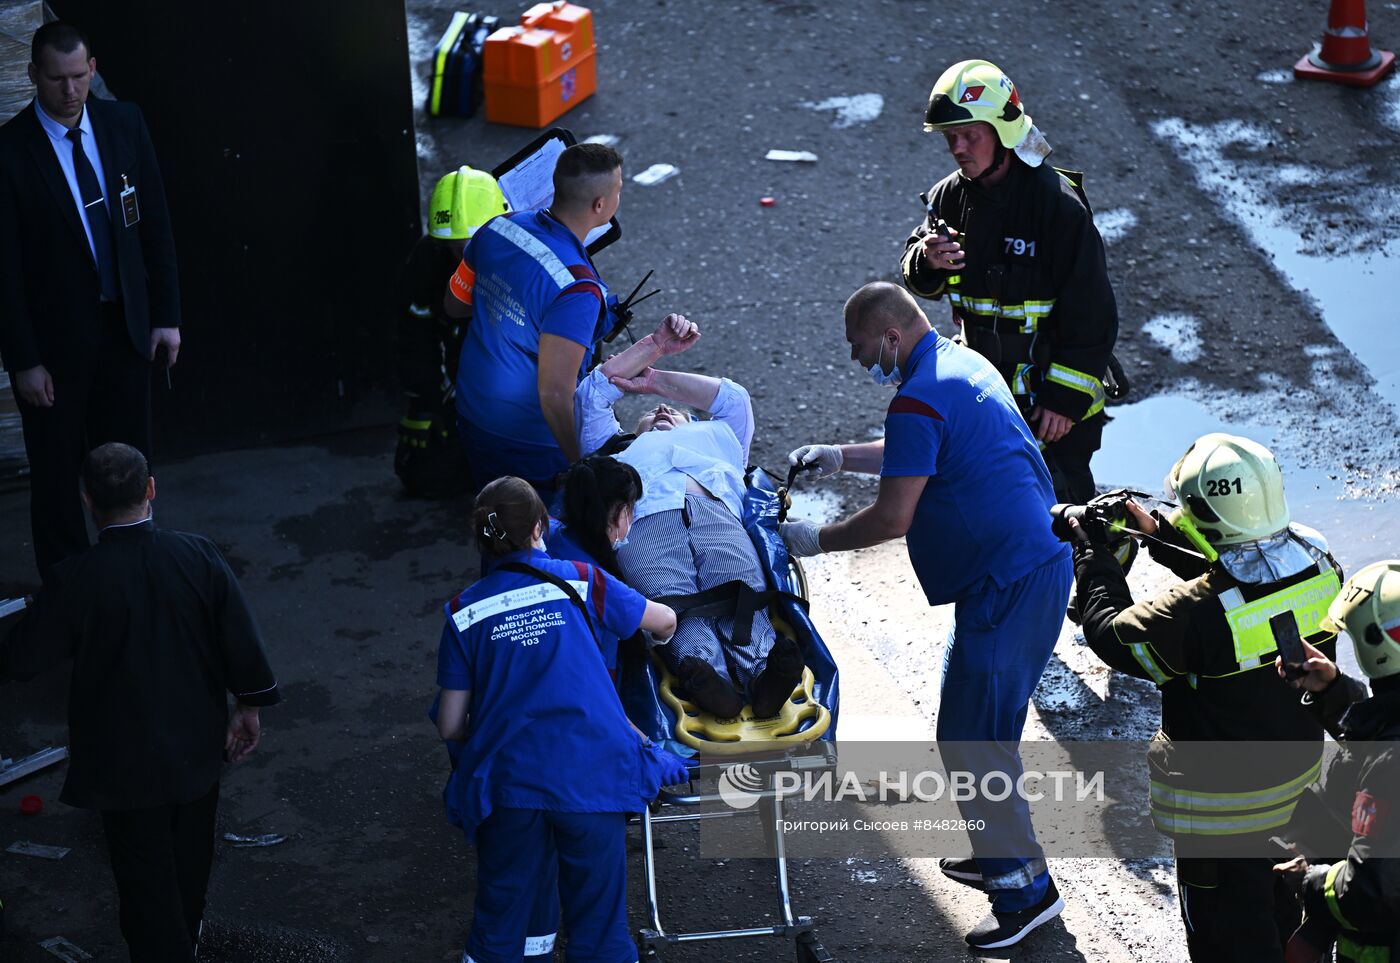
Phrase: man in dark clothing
pixel 159 634
pixel 1011 242
pixel 1355 808
pixel 88 286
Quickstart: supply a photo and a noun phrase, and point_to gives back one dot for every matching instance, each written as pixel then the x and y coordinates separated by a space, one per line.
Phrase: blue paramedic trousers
pixel 518 851
pixel 997 649
pixel 543 925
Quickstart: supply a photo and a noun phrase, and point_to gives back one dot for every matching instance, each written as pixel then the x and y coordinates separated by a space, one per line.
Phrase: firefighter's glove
pixel 826 459
pixel 801 538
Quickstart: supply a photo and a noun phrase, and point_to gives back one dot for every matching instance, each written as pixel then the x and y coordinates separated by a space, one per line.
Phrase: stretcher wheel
pixel 810 950
pixel 798 578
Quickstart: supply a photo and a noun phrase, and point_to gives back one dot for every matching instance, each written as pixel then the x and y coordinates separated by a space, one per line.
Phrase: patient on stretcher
pixel 687 535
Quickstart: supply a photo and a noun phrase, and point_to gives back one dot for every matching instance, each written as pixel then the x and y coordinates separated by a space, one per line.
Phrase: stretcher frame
pixel 765 507
pixel 654 939
pixel 813 757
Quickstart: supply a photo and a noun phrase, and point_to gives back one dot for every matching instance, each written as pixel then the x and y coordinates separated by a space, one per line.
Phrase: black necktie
pixel 98 218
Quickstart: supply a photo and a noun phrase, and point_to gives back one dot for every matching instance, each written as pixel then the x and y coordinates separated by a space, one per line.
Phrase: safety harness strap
pixel 734 598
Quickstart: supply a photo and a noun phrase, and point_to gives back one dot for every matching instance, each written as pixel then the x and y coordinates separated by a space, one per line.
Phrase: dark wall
pixel 285 137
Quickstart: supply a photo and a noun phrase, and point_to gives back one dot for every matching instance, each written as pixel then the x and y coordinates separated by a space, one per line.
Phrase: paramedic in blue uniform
pixel 546 763
pixel 961 476
pixel 600 495
pixel 538 308
pixel 600 500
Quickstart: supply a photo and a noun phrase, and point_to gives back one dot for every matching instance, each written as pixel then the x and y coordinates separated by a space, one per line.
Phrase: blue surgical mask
pixel 619 543
pixel 877 374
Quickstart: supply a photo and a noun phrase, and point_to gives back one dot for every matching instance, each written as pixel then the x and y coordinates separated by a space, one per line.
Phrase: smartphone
pixel 1290 645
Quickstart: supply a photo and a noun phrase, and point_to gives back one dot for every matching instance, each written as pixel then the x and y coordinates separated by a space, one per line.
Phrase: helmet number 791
pixel 1017 245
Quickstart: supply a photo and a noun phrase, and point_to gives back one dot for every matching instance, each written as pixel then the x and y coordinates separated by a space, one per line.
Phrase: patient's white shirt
pixel 712 454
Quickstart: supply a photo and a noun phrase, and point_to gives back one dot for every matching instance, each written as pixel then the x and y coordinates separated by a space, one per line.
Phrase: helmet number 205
pixel 1017 245
pixel 1224 486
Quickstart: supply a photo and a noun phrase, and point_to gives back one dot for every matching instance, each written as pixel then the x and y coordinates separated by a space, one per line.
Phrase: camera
pixel 1104 519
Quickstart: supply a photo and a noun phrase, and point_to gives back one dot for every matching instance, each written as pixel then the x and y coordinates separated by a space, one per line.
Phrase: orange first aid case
pixel 542 68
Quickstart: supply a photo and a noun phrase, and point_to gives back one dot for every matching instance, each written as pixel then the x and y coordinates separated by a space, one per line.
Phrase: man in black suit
pixel 159 635
pixel 88 286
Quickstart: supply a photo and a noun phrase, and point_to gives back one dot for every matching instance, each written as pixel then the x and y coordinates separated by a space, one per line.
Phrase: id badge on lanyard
pixel 131 208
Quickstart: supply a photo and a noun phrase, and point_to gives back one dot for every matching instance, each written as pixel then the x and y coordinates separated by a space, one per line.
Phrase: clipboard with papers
pixel 527 181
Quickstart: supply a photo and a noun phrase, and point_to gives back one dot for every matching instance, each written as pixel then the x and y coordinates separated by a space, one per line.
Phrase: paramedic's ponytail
pixel 505 516
pixel 597 489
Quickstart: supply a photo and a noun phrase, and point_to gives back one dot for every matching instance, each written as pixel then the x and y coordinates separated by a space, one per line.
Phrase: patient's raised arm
pixel 675 333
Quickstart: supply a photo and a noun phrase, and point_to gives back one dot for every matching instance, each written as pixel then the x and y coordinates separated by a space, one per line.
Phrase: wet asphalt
pixel 347 575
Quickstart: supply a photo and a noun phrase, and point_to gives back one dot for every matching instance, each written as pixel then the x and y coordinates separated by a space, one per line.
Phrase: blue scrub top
pixel 533 277
pixel 546 729
pixel 983 520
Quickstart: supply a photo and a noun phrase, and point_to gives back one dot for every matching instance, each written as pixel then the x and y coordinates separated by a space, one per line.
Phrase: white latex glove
pixel 827 458
pixel 801 538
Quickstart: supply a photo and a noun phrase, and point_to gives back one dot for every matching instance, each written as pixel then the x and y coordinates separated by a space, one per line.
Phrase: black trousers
pixel 1068 460
pixel 102 393
pixel 161 858
pixel 1235 909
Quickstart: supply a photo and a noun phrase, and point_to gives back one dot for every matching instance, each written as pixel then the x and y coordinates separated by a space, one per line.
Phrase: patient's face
pixel 662 418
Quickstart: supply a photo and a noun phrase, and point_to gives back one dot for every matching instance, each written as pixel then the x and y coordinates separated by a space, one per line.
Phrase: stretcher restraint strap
pixel 734 598
pixel 563 586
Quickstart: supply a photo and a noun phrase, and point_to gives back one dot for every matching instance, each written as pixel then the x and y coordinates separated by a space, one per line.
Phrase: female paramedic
pixel 600 496
pixel 548 763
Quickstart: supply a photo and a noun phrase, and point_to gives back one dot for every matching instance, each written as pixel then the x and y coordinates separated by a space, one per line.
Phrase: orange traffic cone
pixel 1345 55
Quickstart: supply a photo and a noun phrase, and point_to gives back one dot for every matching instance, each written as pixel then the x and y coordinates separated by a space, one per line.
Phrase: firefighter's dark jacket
pixel 1183 641
pixel 1034 281
pixel 1353 813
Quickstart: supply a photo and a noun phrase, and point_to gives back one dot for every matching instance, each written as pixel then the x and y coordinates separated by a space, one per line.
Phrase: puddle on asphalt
pixel 815 504
pixel 1356 292
pixel 1143 441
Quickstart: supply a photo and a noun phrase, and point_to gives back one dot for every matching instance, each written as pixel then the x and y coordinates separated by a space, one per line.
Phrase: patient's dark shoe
pixel 779 677
pixel 708 689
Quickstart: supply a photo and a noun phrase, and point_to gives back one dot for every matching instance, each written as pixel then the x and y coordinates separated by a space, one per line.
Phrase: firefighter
pixel 1355 809
pixel 1209 646
pixel 1011 242
pixel 429 460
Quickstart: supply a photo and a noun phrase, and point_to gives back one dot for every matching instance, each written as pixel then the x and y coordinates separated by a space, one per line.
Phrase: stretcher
pixel 800 738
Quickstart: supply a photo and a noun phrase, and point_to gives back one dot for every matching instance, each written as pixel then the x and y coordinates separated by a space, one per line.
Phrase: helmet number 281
pixel 1224 486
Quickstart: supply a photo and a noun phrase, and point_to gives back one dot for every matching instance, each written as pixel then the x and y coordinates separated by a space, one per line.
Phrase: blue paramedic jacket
pixel 983 520
pixel 524 275
pixel 546 729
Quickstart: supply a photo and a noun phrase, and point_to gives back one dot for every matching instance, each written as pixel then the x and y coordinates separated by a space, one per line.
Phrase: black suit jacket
pixel 49 286
pixel 159 634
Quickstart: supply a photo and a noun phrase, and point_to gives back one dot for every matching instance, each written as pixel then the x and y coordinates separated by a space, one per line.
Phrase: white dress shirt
pixel 711 454
pixel 63 149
